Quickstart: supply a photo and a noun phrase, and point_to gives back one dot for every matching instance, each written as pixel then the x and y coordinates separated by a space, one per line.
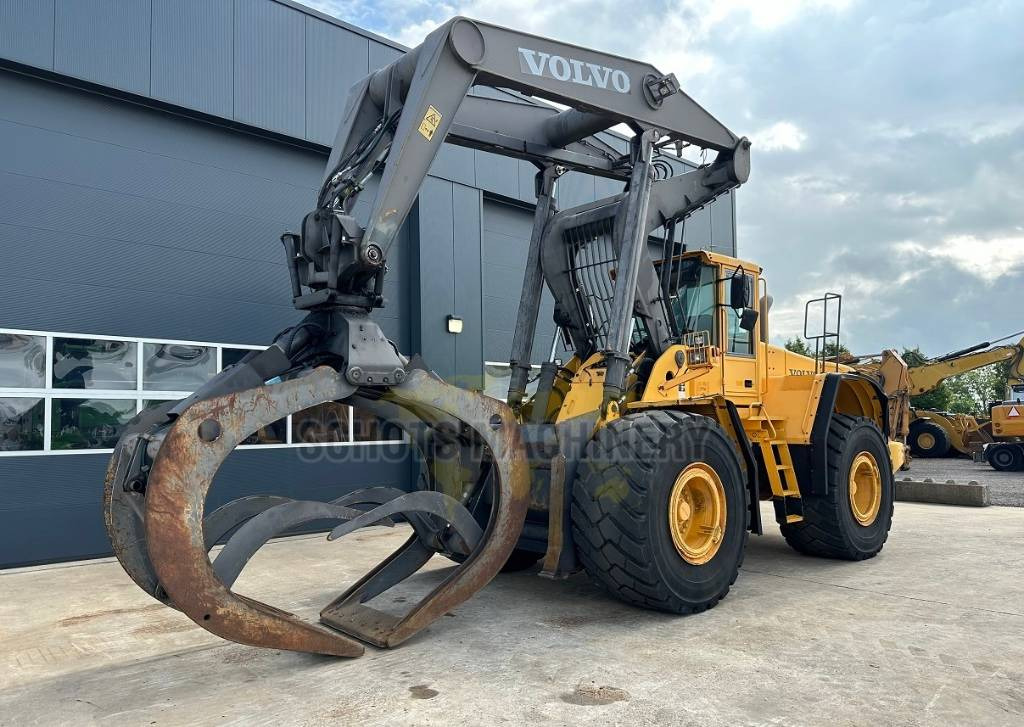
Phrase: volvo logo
pixel 538 63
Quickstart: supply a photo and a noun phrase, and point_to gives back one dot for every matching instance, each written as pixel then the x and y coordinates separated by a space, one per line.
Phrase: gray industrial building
pixel 151 154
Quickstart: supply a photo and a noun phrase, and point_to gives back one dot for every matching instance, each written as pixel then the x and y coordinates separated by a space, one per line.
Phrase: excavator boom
pixel 929 375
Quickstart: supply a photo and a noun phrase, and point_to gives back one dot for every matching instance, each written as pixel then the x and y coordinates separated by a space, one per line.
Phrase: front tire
pixel 851 521
pixel 659 511
pixel 928 439
pixel 1005 456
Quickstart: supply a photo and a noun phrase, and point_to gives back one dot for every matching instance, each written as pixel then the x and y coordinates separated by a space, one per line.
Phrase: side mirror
pixel 739 290
pixel 748 319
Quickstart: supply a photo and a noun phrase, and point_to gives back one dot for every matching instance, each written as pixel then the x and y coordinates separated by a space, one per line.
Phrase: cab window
pixel 694 305
pixel 738 341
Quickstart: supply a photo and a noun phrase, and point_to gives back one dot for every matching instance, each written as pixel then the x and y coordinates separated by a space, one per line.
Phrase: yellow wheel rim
pixel 925 440
pixel 696 513
pixel 865 488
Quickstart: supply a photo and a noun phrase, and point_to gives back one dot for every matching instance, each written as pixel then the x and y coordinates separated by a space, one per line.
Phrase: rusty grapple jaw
pixel 470 501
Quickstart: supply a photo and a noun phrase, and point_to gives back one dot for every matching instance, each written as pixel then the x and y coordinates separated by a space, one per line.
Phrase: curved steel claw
pixel 493 422
pixel 192 451
pixel 262 527
pixel 163 540
pixel 434 503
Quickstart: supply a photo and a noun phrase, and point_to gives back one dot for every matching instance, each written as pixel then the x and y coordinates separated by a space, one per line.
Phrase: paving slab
pixel 931 632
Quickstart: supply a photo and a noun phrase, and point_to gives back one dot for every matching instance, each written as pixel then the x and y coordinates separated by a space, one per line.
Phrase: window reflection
pixel 231 356
pixel 176 366
pixel 21 424
pixel 274 433
pixel 497 378
pixel 89 423
pixel 321 424
pixel 22 361
pixel 367 427
pixel 94 363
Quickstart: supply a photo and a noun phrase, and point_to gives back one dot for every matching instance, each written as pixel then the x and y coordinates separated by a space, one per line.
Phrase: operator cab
pixel 712 294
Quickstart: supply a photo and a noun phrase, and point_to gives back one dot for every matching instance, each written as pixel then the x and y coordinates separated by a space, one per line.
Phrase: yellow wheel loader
pixel 641 460
pixel 943 434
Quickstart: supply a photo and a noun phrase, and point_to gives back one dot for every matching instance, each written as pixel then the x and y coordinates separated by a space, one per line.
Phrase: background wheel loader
pixel 642 460
pixel 942 434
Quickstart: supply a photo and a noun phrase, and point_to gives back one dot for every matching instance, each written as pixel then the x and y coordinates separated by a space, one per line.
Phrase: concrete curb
pixel 971 494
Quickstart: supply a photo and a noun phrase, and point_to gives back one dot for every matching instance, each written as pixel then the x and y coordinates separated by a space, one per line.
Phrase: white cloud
pixel 985 259
pixel 780 136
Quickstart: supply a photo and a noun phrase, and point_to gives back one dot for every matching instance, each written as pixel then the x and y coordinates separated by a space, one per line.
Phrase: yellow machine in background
pixel 941 434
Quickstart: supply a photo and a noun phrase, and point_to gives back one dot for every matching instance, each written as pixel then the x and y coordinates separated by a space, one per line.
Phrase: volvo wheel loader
pixel 642 460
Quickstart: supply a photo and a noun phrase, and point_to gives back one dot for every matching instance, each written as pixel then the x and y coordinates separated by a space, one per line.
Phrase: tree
pixel 798 345
pixel 939 397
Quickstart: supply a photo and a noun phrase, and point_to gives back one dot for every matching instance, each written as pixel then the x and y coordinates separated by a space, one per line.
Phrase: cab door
pixel 739 360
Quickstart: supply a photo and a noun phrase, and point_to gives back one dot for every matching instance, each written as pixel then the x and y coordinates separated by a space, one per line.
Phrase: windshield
pixel 693 307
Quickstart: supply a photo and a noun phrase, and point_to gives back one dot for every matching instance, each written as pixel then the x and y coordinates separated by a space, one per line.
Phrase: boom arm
pixel 928 376
pixel 402 113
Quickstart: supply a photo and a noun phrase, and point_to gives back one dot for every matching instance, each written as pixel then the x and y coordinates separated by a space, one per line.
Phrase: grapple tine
pixel 225 518
pixel 262 527
pixel 495 425
pixel 434 503
pixel 182 473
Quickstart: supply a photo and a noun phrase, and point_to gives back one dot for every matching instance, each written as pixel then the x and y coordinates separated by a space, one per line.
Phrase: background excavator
pixel 642 460
pixel 942 434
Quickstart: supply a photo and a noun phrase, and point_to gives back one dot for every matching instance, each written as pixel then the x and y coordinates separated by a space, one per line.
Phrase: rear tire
pixel 831 528
pixel 1005 456
pixel 621 506
pixel 928 439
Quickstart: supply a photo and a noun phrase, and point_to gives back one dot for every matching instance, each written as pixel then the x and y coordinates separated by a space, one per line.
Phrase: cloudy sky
pixel 888 158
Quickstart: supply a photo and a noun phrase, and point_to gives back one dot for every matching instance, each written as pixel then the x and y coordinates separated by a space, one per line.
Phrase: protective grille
pixel 591 264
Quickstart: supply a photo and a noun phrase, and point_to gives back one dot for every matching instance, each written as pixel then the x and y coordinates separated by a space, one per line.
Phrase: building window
pixel 94 363
pixel 22 361
pixel 498 376
pixel 22 424
pixel 326 423
pixel 89 423
pixel 367 427
pixel 177 367
pixel 72 393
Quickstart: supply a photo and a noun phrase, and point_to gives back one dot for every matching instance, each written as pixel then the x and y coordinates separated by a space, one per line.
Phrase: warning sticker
pixel 431 120
pixel 1013 412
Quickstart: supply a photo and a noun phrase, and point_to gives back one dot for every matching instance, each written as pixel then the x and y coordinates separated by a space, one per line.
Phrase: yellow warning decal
pixel 431 120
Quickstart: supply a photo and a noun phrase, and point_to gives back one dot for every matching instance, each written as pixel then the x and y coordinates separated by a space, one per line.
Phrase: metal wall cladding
pixel 104 41
pixel 259 62
pixel 192 62
pixel 506 241
pixel 26 32
pixel 336 59
pixel 270 66
pixel 130 221
pixel 52 505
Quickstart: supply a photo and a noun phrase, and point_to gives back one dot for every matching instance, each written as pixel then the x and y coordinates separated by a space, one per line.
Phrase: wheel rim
pixel 925 440
pixel 1003 457
pixel 865 488
pixel 696 513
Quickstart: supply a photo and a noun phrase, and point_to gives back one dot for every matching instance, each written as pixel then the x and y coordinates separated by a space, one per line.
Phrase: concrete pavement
pixel 929 632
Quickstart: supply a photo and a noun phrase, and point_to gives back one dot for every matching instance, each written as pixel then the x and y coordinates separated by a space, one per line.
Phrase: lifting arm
pixel 400 115
pixel 929 375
